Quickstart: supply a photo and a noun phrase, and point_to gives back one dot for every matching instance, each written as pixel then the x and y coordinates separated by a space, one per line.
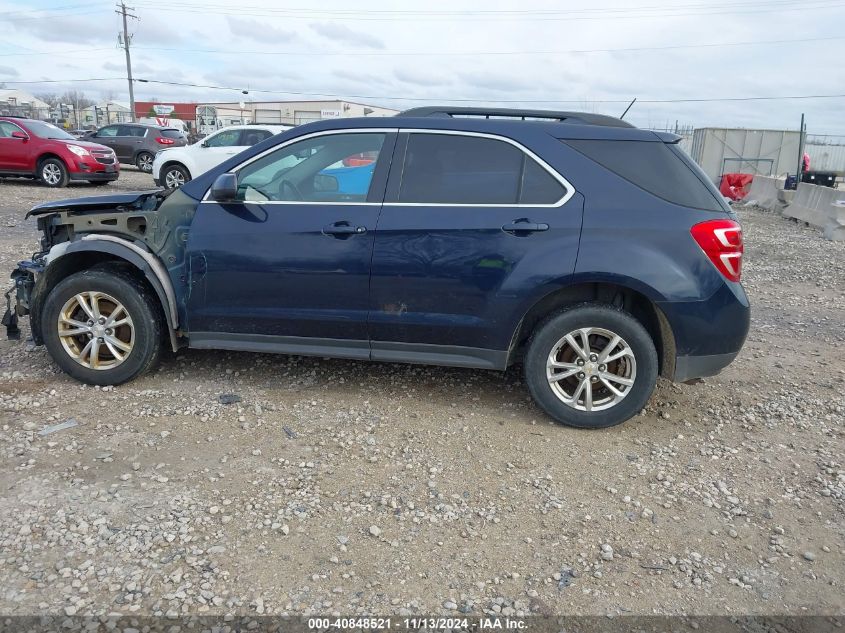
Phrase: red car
pixel 37 149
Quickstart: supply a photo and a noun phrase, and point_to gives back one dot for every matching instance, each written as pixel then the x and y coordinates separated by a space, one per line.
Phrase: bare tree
pixel 50 98
pixel 77 98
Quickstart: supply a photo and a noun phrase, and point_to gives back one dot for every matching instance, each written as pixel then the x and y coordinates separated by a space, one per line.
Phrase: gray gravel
pixel 352 488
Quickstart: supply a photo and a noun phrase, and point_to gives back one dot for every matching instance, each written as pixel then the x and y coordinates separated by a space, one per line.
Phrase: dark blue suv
pixel 596 254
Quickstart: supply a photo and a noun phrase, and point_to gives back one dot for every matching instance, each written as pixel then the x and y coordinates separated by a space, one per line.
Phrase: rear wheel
pixel 102 327
pixel 53 173
pixel 591 366
pixel 144 162
pixel 175 176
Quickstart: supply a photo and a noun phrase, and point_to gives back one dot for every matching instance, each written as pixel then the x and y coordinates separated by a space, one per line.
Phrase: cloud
pixel 421 77
pixel 136 68
pixel 69 29
pixel 339 33
pixel 259 31
pixel 8 71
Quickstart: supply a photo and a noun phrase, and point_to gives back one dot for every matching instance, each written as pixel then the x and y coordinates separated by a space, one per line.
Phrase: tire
pixel 52 172
pixel 142 335
pixel 633 359
pixel 144 162
pixel 174 176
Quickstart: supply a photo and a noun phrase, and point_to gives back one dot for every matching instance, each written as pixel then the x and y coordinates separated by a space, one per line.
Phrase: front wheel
pixel 53 173
pixel 591 366
pixel 102 327
pixel 144 162
pixel 175 176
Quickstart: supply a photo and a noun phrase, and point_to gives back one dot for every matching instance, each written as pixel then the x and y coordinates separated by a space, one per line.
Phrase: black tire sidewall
pixel 65 175
pixel 610 318
pixel 178 168
pixel 135 299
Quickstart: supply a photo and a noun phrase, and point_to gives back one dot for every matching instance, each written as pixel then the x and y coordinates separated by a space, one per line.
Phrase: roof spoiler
pixel 668 137
pixel 582 118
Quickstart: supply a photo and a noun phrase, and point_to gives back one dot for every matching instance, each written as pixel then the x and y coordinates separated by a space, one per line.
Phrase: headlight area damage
pixel 145 231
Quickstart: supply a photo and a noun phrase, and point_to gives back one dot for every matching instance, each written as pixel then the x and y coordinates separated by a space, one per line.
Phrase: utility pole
pixel 799 172
pixel 123 10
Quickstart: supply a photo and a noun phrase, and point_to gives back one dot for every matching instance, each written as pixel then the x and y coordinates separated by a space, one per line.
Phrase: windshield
pixel 43 129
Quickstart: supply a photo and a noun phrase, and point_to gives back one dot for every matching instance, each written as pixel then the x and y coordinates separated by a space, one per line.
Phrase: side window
pixel 226 138
pixel 538 185
pixel 253 137
pixel 7 128
pixel 656 167
pixel 455 169
pixel 313 170
pixel 132 130
pixel 110 130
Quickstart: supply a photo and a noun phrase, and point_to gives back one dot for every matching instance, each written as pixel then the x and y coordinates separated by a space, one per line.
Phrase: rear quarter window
pixel 655 167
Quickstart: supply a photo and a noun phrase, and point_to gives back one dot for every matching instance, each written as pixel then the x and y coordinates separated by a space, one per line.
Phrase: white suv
pixel 174 167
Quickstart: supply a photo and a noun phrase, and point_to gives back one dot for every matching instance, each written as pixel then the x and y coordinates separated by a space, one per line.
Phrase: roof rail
pixel 583 118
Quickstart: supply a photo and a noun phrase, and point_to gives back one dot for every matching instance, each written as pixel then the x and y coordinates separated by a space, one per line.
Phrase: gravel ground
pixel 351 487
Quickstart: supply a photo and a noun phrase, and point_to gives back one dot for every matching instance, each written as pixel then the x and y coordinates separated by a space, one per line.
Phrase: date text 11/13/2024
pixel 416 623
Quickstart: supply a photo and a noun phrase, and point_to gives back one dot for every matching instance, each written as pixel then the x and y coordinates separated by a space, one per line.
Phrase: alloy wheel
pixel 174 178
pixel 145 162
pixel 591 369
pixel 96 330
pixel 51 173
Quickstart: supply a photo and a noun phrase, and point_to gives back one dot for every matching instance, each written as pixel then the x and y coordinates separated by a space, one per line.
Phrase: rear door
pixel 130 140
pixel 470 224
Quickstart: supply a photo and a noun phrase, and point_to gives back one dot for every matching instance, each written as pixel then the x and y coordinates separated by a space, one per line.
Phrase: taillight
pixel 164 141
pixel 721 241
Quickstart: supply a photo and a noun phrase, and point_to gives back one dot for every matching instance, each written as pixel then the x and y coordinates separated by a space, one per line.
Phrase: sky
pixel 553 54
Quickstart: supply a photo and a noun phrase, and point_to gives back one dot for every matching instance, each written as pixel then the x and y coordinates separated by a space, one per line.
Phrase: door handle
pixel 343 229
pixel 524 225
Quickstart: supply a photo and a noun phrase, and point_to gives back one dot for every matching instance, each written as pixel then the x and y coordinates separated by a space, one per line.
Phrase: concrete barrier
pixel 764 193
pixel 821 207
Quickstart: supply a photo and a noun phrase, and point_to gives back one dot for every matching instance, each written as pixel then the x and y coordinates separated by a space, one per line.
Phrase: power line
pixel 437 53
pixel 429 99
pixel 451 99
pixel 483 53
pixel 678 11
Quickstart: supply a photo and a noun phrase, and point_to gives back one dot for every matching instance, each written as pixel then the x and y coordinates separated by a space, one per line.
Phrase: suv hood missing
pixel 131 201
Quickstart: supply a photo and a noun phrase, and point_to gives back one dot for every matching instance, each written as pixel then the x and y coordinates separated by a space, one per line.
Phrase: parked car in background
pixel 174 167
pixel 137 144
pixel 596 254
pixel 36 149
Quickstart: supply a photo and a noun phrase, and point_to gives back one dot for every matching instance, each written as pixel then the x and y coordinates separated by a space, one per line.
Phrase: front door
pixel 217 148
pixel 14 152
pixel 465 237
pixel 287 267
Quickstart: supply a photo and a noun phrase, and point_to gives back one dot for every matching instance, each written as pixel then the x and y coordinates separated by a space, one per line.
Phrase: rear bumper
pixel 689 367
pixel 708 334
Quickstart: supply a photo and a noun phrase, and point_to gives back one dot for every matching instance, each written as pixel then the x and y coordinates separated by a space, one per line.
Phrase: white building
pixel 18 102
pixel 298 112
pixel 104 113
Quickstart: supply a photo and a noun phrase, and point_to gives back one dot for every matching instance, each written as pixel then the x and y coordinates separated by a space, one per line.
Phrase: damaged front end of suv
pixel 143 234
